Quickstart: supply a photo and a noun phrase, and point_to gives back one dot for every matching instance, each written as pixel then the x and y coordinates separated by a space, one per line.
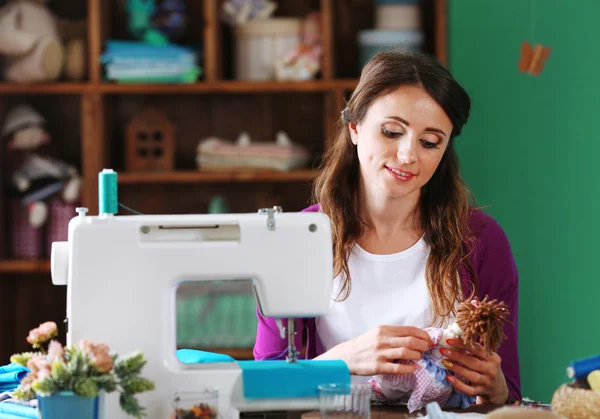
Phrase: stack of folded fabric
pixel 139 62
pixel 10 378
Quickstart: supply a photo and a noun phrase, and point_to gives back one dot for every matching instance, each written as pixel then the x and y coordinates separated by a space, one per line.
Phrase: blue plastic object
pixel 582 367
pixel 193 356
pixel 280 379
pixel 68 405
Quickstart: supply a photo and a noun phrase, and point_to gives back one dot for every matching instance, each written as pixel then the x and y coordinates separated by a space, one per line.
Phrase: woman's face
pixel 400 142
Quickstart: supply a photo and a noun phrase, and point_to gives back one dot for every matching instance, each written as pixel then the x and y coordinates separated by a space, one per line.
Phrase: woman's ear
pixel 353 132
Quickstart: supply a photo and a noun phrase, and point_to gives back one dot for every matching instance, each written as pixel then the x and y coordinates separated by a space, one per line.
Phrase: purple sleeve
pixel 269 344
pixel 499 279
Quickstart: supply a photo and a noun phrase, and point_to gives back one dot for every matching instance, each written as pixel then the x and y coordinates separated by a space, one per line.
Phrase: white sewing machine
pixel 122 274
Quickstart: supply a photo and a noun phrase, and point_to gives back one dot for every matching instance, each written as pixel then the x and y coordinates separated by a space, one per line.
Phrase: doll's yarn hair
pixel 483 322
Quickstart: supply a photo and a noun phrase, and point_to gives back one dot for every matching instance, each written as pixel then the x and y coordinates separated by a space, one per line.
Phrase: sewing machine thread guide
pixel 271 216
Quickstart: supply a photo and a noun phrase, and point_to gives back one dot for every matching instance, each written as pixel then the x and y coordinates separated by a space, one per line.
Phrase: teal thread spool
pixel 108 200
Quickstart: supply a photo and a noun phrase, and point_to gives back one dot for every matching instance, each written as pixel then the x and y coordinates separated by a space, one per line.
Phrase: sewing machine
pixel 122 274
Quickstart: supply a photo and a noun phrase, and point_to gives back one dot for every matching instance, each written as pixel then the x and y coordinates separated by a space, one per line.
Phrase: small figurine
pixel 304 62
pixel 476 321
pixel 140 22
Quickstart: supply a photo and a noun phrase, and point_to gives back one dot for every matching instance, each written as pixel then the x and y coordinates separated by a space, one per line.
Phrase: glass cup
pixel 195 404
pixel 345 401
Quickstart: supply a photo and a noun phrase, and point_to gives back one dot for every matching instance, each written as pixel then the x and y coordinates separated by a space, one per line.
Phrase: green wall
pixel 531 152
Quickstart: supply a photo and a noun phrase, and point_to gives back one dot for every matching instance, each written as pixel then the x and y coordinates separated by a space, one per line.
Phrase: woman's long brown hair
pixel 445 200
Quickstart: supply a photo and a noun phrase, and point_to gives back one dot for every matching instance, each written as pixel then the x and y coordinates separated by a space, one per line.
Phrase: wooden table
pixel 401 412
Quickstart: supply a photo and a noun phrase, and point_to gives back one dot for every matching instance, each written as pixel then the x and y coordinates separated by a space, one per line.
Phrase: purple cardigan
pixel 498 278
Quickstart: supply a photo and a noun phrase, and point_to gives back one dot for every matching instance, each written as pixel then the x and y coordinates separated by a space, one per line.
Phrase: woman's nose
pixel 407 150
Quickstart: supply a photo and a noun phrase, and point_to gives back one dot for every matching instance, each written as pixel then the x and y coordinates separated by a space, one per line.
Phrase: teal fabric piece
pixel 12 367
pixel 193 356
pixel 280 379
pixel 12 410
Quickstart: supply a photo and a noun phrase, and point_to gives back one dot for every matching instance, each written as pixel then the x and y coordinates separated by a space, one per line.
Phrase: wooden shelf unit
pixel 87 120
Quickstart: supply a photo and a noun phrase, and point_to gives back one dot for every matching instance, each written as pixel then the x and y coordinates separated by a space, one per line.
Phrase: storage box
pixel 60 214
pixel 260 44
pixel 398 17
pixel 25 240
pixel 373 41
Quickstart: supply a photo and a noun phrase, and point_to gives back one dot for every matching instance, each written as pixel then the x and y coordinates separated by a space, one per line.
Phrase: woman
pixel 407 244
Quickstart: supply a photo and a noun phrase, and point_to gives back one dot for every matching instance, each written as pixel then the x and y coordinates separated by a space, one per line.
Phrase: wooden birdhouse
pixel 150 141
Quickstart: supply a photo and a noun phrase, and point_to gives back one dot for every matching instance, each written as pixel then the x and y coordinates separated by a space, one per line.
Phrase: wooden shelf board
pixel 219 176
pixel 44 88
pixel 233 86
pixel 223 87
pixel 25 266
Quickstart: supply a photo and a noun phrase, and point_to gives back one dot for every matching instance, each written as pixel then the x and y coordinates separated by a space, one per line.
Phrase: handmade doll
pixel 33 171
pixel 476 321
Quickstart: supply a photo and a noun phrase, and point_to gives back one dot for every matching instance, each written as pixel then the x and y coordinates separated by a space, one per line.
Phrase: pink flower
pixel 39 366
pixel 104 362
pixel 98 354
pixel 43 373
pixel 86 346
pixel 55 351
pixel 42 334
pixel 28 380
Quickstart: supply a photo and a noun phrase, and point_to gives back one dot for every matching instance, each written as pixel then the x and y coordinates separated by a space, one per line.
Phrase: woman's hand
pixel 482 371
pixel 375 351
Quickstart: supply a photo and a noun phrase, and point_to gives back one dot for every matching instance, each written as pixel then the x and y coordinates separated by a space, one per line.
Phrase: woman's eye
pixel 429 144
pixel 391 134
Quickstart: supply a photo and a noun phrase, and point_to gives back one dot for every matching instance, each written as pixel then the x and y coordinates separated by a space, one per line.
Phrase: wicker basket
pixel 576 403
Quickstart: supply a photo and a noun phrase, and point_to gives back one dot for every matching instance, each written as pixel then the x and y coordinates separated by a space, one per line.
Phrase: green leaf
pixel 137 384
pixel 60 375
pixel 130 364
pixel 86 387
pixel 77 364
pixel 106 382
pixel 23 358
pixel 45 387
pixel 21 394
pixel 130 405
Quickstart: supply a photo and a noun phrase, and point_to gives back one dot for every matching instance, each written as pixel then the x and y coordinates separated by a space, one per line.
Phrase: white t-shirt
pixel 386 290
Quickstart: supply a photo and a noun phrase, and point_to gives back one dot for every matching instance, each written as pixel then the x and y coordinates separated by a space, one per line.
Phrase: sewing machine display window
pixel 217 316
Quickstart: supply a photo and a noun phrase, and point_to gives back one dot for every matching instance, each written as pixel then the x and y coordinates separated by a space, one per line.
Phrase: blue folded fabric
pixel 11 410
pixel 281 379
pixel 192 356
pixel 12 377
pixel 9 381
pixel 9 388
pixel 126 51
pixel 13 367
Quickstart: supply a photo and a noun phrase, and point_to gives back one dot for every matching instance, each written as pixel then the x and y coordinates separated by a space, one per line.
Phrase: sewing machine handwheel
pixel 59 263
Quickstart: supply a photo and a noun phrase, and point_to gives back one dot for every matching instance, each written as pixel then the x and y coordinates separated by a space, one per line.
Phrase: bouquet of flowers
pixel 85 369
